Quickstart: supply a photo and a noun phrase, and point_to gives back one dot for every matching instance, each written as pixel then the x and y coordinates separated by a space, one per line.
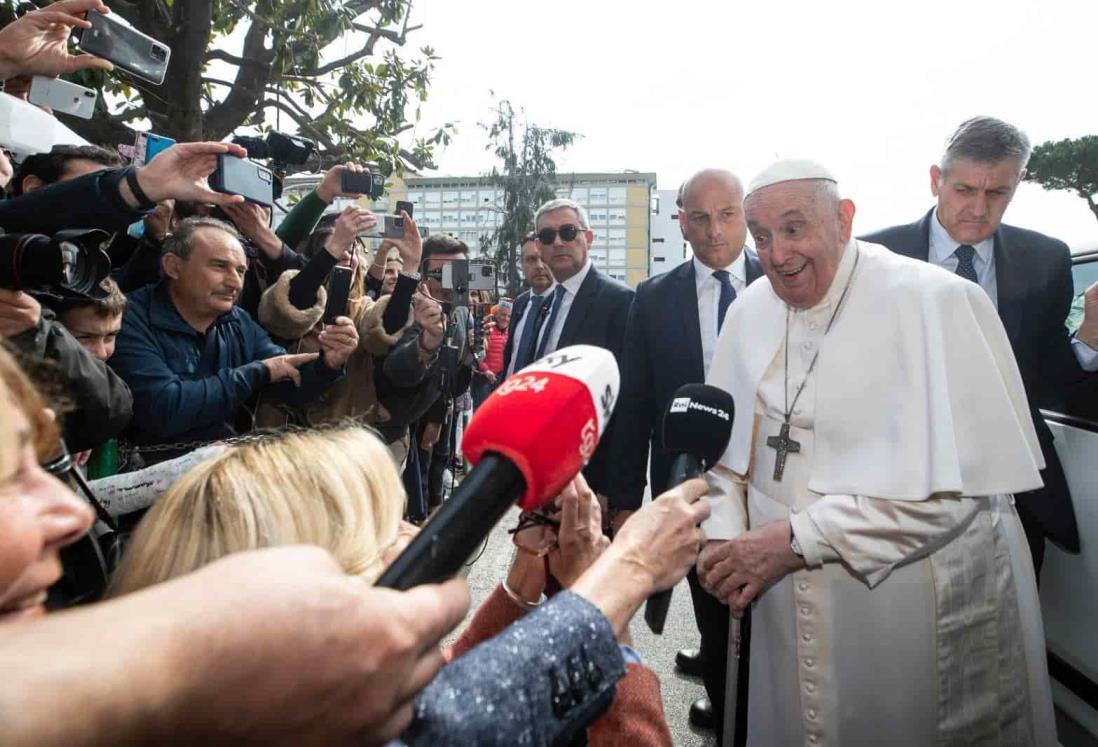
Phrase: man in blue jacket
pixel 192 358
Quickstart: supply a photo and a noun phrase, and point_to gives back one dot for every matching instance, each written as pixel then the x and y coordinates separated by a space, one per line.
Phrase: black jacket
pixel 663 352
pixel 1034 289
pixel 90 201
pixel 597 317
pixel 101 402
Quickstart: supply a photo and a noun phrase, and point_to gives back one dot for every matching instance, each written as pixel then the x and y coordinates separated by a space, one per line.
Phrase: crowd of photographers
pixel 205 381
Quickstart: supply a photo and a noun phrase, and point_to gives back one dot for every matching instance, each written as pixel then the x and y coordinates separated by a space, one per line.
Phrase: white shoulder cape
pixel 918 390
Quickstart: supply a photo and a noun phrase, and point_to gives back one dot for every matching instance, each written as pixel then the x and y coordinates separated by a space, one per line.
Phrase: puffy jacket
pixel 188 385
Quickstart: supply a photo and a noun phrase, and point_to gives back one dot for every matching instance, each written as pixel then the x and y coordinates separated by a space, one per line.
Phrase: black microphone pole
pixel 458 528
pixel 684 467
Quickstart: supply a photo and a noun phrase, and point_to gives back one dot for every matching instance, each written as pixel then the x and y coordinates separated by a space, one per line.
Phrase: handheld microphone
pixel 527 441
pixel 696 429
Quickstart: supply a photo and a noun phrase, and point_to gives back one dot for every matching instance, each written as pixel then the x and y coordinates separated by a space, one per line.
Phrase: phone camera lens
pixel 159 54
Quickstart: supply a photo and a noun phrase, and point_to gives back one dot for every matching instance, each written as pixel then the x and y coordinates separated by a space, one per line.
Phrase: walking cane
pixel 735 693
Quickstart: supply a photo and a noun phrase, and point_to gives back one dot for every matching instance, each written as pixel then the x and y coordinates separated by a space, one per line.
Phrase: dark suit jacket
pixel 663 351
pixel 1034 289
pixel 597 317
pixel 518 308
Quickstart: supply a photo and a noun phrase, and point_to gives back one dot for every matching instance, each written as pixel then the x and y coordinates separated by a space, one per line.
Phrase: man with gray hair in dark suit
pixel 1026 274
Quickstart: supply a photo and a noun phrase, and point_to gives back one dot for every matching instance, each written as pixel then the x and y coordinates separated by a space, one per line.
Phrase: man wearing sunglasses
pixel 587 307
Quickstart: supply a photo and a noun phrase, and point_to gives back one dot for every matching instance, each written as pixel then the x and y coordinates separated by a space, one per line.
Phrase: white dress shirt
pixel 709 297
pixel 942 248
pixel 571 288
pixel 942 253
pixel 519 325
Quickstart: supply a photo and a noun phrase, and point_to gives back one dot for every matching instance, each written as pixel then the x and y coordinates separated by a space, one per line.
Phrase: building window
pixel 596 196
pixel 615 237
pixel 658 241
pixel 451 199
pixel 416 198
pixel 616 216
pixel 432 198
pixel 658 259
pixel 579 194
pixel 616 196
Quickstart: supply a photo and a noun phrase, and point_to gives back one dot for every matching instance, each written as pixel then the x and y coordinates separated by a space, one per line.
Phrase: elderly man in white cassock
pixel 864 503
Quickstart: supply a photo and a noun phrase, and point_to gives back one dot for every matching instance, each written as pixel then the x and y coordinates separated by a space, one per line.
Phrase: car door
pixel 1069 583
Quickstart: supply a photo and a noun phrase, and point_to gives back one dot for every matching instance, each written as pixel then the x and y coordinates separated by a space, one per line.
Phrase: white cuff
pixel 727 507
pixel 816 549
pixel 1085 354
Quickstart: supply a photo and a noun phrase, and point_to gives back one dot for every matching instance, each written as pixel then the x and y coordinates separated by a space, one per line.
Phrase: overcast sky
pixel 869 88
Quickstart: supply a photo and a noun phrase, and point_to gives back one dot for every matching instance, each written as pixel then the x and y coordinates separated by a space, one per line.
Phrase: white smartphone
pixel 62 96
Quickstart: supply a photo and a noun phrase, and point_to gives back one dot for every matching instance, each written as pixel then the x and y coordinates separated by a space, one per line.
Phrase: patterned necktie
pixel 530 329
pixel 965 267
pixel 728 295
pixel 558 296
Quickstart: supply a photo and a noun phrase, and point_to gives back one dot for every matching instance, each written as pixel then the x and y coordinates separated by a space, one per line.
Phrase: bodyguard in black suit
pixel 527 327
pixel 586 307
pixel 1026 274
pixel 670 340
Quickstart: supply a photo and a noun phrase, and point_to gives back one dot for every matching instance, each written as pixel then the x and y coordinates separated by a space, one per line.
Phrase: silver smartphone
pixel 136 53
pixel 62 96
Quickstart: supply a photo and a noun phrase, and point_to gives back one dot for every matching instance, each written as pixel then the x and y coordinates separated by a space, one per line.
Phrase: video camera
pixel 69 263
pixel 283 149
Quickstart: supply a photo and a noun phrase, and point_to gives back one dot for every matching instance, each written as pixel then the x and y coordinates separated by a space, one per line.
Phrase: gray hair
pixel 559 204
pixel 181 241
pixel 986 140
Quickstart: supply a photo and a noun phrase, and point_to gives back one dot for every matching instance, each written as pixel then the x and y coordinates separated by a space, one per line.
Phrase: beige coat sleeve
pixel 281 318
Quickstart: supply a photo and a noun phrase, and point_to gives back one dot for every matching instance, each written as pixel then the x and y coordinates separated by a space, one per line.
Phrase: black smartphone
pixel 362 183
pixel 339 291
pixel 406 206
pixel 239 176
pixel 125 46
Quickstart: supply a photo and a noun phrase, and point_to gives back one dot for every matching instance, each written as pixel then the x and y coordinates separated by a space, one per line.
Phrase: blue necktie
pixel 530 328
pixel 558 296
pixel 728 295
pixel 965 267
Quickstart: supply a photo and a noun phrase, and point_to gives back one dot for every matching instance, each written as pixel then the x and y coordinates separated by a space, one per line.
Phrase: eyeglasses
pixel 535 533
pixel 568 232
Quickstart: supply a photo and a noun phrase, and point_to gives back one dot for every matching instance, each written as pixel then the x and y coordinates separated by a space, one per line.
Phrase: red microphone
pixel 527 441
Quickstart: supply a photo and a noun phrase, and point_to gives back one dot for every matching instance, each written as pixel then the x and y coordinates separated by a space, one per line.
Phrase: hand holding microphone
pixel 526 441
pixel 696 429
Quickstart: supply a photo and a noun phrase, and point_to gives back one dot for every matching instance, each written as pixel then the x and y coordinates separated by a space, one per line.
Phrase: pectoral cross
pixel 785 446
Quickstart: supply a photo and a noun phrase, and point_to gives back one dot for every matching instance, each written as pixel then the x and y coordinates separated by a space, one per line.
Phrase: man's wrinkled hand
pixel 736 571
pixel 286 366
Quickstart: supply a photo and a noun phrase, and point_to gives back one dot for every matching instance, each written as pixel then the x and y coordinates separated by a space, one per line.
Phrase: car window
pixel 1081 400
pixel 1083 275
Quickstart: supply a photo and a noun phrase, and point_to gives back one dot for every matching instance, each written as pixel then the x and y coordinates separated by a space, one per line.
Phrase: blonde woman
pixel 334 488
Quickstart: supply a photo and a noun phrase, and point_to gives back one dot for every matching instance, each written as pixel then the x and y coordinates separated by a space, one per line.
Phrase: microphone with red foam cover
pixel 526 442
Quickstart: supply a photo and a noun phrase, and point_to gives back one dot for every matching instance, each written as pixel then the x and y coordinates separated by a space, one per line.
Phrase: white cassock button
pixel 803 586
pixel 809 687
pixel 809 662
pixel 812 714
pixel 812 325
pixel 805 611
pixel 807 345
pixel 813 738
pixel 806 637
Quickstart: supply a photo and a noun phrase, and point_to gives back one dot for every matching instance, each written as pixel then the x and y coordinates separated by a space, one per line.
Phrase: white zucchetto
pixel 789 170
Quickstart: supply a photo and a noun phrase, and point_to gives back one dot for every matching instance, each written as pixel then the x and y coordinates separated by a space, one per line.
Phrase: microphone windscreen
pixel 547 418
pixel 698 421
